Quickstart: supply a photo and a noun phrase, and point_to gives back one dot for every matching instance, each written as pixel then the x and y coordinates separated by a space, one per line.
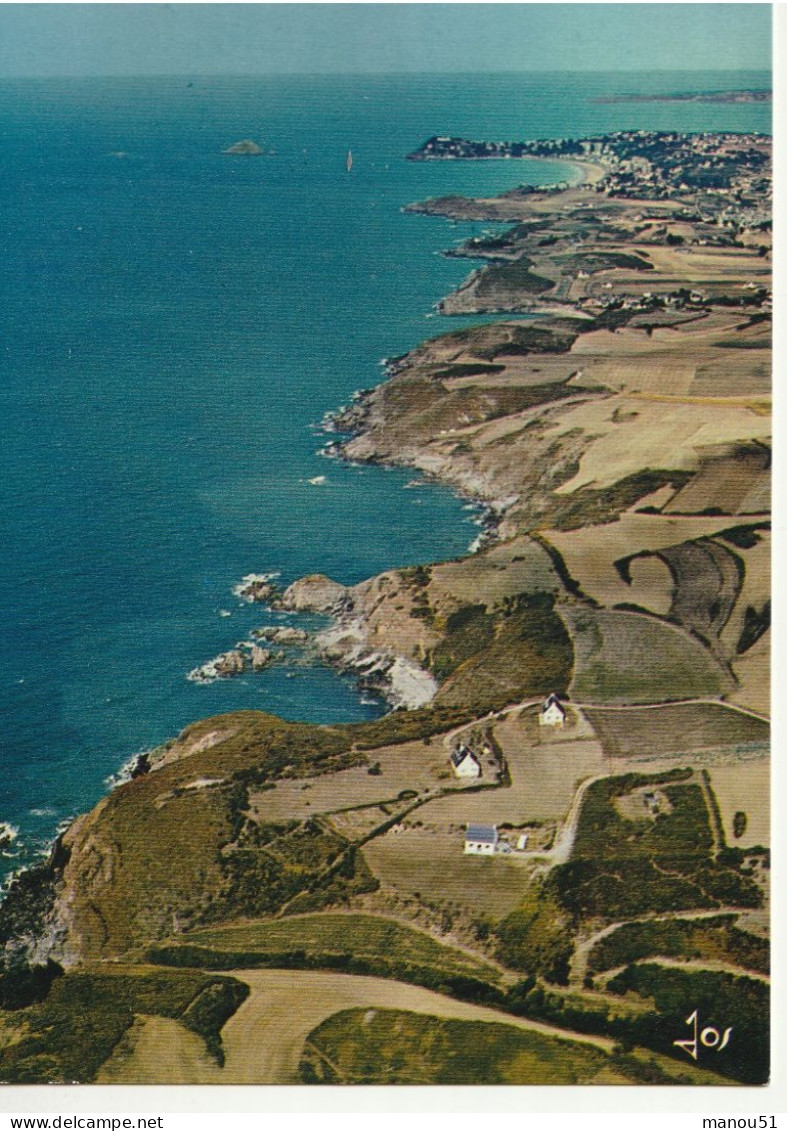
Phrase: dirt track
pixel 263 1040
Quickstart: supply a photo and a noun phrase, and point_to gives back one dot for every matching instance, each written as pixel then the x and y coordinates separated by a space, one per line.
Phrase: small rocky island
pixel 245 148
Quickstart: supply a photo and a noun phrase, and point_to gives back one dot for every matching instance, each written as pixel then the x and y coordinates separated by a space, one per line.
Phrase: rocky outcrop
pixel 256 587
pixel 259 658
pixel 396 678
pixel 281 634
pixel 315 594
pixel 246 656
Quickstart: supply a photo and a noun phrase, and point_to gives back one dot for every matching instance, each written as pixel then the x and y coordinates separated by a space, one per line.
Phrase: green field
pixel 68 1036
pixel 644 843
pixel 386 1046
pixel 622 657
pixel 715 939
pixel 368 936
pixel 391 1046
pixel 721 1001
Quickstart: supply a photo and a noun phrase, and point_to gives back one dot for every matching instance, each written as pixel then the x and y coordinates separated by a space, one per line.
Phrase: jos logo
pixel 709 1037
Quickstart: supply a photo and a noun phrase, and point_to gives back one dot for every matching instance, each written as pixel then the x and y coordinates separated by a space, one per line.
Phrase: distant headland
pixel 703 96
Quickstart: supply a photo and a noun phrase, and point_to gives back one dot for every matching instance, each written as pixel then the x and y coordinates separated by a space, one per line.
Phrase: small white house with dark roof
pixel 464 763
pixel 481 840
pixel 552 713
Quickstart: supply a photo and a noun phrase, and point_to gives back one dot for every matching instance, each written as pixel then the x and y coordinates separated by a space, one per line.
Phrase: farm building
pixel 552 713
pixel 464 763
pixel 481 840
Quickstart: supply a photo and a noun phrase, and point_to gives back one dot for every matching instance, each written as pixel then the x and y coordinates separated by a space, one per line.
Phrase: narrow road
pixel 579 959
pixel 495 716
pixel 490 719
pixel 564 841
pixel 674 703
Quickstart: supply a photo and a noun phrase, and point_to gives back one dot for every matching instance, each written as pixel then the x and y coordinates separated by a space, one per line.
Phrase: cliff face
pixel 140 863
pixel 168 849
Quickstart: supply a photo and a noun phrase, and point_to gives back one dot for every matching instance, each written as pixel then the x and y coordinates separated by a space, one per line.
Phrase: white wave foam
pixel 124 774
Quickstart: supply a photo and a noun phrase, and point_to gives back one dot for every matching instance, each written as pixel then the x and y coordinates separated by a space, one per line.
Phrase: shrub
pixel 535 938
pixel 23 985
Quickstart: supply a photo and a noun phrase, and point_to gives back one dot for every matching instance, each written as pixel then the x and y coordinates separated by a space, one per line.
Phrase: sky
pixel 200 39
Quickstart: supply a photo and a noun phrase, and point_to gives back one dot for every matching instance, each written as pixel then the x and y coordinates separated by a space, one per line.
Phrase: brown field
pixel 707 355
pixel 517 566
pixel 426 855
pixel 631 433
pixel 651 585
pixel 433 864
pixel 753 672
pixel 545 770
pixel 707 582
pixel 697 263
pixel 684 360
pixel 710 270
pixel 590 555
pixel 540 369
pixel 674 729
pixel 756 589
pixel 356 824
pixel 627 658
pixel 263 1040
pixel 411 766
pixel 738 482
pixel 744 788
pixel 744 371
pixel 159 1051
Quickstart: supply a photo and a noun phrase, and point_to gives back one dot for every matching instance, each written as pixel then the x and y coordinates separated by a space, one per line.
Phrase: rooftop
pixel 486 834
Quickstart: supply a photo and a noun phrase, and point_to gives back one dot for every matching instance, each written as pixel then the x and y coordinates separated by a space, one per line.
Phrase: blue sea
pixel 174 324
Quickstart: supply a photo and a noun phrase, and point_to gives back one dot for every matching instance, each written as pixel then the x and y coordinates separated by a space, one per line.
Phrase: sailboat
pixel 349 160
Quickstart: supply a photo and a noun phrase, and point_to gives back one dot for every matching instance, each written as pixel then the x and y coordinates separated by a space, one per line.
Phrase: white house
pixel 552 713
pixel 464 763
pixel 481 840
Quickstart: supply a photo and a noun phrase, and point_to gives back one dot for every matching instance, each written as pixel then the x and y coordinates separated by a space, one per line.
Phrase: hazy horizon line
pixel 387 74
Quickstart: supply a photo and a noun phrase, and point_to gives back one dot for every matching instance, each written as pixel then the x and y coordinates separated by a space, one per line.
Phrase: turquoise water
pixel 174 322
